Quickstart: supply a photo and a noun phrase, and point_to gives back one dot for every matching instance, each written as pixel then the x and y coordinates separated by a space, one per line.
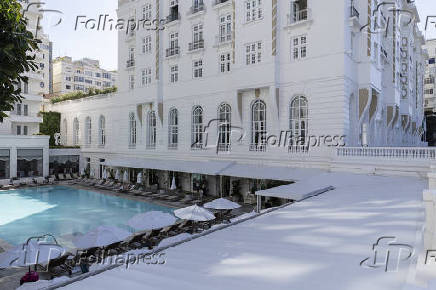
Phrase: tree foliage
pixel 51 125
pixel 80 95
pixel 15 43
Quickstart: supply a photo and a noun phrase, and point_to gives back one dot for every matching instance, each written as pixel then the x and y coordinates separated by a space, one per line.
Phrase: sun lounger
pixel 74 176
pixel 39 180
pixel 173 198
pixel 16 183
pixel 59 266
pixel 68 176
pixel 138 240
pixel 61 176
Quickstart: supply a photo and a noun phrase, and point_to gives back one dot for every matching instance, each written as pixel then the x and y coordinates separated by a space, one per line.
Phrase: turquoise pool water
pixel 63 212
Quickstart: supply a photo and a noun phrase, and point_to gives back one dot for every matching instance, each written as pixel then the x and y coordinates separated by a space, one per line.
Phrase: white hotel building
pixel 308 67
pixel 22 153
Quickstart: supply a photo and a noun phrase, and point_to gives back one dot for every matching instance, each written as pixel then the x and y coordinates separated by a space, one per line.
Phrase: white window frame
pixel 258 126
pixel 197 128
pixel 253 53
pixel 197 69
pixel 88 130
pixel 225 28
pixel 131 82
pixel 299 47
pixel 151 130
pixel 146 44
pixel 146 76
pixel 147 12
pixel 174 73
pixel 173 129
pixel 253 10
pixel 132 130
pixel 102 131
pixel 76 131
pixel 225 60
pixel 224 127
pixel 298 120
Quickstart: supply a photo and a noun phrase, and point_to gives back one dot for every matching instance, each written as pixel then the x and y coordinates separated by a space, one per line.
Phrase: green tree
pixel 15 43
pixel 50 125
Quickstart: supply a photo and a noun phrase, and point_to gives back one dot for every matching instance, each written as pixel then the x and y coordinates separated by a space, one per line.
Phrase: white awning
pixel 296 191
pixel 270 172
pixel 198 167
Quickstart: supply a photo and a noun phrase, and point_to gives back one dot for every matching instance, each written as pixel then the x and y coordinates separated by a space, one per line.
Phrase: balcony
pixel 299 16
pixel 172 51
pixel 173 17
pixel 257 147
pixel 224 39
pixel 196 9
pixel 30 118
pixel 196 45
pixel 130 63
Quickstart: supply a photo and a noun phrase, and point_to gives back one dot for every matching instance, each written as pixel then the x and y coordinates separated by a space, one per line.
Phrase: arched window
pixel 173 129
pixel 197 128
pixel 151 132
pixel 258 126
pixel 64 133
pixel 76 131
pixel 298 114
pixel 224 127
pixel 132 130
pixel 102 131
pixel 88 130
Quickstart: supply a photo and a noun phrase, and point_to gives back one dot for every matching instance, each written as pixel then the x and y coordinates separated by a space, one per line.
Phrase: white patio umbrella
pixel 92 173
pixel 139 178
pixel 194 213
pixel 32 253
pixel 101 236
pixel 117 175
pixel 222 204
pixel 126 176
pixel 173 184
pixel 151 220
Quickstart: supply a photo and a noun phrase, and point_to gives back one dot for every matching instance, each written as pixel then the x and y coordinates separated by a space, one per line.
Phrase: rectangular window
pixel 253 53
pixel 18 130
pixel 26 110
pixel 88 81
pixel 146 44
pixel 25 130
pixel 197 69
pixel 19 109
pixel 431 61
pixel 68 78
pixel 4 163
pixel 68 87
pixel 253 10
pixel 146 12
pixel 299 47
pixel 146 76
pixel 225 62
pixel 131 82
pixel 225 28
pixel 174 77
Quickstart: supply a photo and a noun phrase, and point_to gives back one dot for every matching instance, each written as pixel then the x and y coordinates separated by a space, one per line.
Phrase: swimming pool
pixel 63 212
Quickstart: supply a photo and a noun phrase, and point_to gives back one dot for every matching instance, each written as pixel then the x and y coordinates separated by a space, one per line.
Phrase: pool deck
pixel 315 244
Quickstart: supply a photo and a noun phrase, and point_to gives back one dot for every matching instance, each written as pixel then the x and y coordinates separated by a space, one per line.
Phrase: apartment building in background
pixel 22 152
pixel 307 68
pixel 80 75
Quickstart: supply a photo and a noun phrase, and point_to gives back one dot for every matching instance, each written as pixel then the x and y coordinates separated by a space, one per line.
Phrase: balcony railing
pixel 173 17
pixel 224 38
pixel 298 16
pixel 354 12
pixel 388 152
pixel 224 148
pixel 195 9
pixel 218 2
pixel 196 45
pixel 172 51
pixel 130 63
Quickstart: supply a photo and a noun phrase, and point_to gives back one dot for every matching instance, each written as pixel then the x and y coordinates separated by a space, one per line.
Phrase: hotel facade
pixel 217 90
pixel 22 152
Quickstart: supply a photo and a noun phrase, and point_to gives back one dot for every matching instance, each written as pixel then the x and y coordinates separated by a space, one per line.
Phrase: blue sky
pixel 103 45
